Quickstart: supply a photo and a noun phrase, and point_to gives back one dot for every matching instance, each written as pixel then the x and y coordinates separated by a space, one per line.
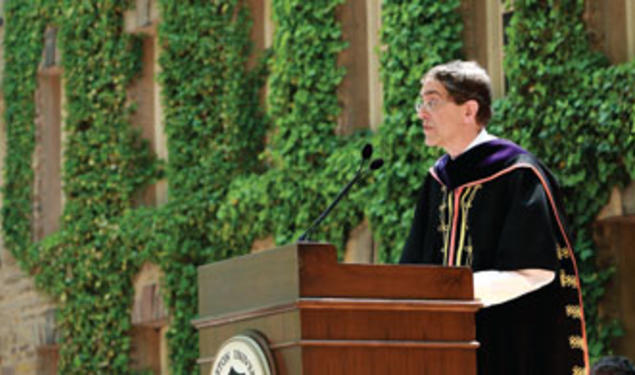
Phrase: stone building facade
pixel 27 317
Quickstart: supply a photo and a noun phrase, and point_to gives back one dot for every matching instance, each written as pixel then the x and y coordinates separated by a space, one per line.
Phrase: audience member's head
pixel 613 365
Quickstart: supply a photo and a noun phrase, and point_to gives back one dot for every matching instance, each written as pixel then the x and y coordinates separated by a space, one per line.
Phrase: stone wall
pixel 27 328
pixel 27 317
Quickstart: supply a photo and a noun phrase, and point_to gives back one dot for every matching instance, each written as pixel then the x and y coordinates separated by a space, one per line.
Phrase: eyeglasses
pixel 430 105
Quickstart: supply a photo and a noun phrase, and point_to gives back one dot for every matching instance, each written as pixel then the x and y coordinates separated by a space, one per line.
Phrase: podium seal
pixel 243 354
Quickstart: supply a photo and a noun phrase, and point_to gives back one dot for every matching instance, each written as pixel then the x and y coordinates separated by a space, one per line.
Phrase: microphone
pixel 376 164
pixel 367 152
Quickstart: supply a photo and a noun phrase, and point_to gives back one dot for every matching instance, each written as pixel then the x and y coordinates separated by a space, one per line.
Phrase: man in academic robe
pixel 491 205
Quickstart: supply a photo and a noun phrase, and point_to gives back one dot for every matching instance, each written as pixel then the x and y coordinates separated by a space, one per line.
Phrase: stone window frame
pixel 360 91
pixel 49 77
pixel 143 20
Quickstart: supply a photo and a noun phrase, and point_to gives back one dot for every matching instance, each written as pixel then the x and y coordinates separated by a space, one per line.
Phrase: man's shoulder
pixel 485 162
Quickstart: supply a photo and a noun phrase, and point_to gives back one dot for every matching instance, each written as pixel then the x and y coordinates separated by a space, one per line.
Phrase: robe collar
pixel 478 162
pixel 482 137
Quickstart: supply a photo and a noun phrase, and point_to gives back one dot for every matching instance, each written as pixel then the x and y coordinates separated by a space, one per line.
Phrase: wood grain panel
pixel 387 325
pixel 334 360
pixel 321 276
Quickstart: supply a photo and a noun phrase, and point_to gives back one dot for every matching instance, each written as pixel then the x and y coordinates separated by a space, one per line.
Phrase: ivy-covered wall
pixel 228 186
pixel 575 112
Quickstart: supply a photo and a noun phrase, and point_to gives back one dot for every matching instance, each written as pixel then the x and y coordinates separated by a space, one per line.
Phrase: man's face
pixel 443 121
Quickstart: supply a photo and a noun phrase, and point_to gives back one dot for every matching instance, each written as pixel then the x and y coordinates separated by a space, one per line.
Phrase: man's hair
pixel 613 365
pixel 466 80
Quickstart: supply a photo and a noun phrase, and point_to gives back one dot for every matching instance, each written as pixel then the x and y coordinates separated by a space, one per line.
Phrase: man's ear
pixel 471 109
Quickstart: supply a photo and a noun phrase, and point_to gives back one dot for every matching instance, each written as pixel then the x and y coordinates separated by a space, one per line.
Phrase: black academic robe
pixel 496 207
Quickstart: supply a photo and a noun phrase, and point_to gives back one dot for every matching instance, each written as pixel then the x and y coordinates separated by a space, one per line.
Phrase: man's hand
pixel 495 287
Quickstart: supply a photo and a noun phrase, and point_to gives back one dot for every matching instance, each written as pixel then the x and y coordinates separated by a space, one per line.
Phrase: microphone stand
pixel 375 164
pixel 304 236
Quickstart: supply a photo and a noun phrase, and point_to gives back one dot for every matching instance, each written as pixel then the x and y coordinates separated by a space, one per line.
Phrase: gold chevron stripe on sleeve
pixel 576 342
pixel 574 311
pixel 567 280
pixel 562 252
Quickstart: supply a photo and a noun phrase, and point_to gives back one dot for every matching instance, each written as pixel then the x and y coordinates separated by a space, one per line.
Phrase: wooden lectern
pixel 321 317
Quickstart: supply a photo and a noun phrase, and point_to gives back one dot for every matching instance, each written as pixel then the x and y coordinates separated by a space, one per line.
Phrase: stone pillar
pixel 376 92
pixel 261 36
pixel 630 29
pixel 360 247
pixel 611 27
pixel 483 38
pixel 353 90
pixel 261 244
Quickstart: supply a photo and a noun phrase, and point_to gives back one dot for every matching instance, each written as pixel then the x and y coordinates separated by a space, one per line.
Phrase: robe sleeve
pixel 530 236
pixel 414 247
